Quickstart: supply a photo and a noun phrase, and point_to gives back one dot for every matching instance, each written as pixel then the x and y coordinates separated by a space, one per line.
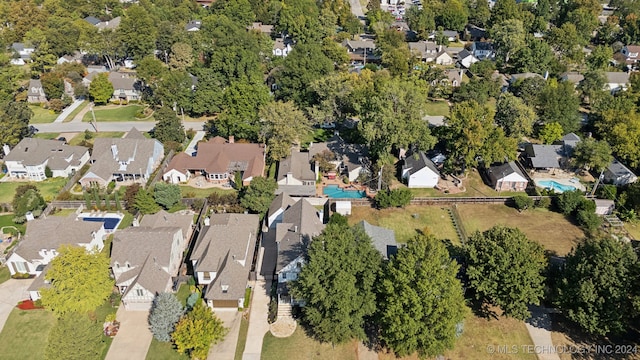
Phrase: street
pixel 107 126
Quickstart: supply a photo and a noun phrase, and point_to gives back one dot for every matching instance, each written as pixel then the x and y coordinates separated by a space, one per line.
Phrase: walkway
pixel 80 115
pixel 258 325
pixel 133 338
pixel 66 112
pixel 226 350
pixel 191 149
pixel 539 327
pixel 12 291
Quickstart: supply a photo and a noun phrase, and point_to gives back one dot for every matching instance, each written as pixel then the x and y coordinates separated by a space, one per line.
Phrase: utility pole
pixel 380 178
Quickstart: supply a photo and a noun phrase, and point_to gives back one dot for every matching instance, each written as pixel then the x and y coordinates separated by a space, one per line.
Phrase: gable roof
pixel 571 137
pixel 617 169
pixel 58 155
pixel 298 164
pixel 265 29
pixel 616 77
pixel 384 240
pixel 193 25
pixel 463 54
pixel 109 24
pixel 165 219
pixel 300 223
pixel 483 46
pixel 500 171
pixel 544 156
pixel 123 81
pixel 35 88
pixel 351 155
pixel 359 44
pixel 134 244
pixel 572 77
pixel 281 201
pixel 633 48
pixel 150 276
pixel 92 20
pixel 415 162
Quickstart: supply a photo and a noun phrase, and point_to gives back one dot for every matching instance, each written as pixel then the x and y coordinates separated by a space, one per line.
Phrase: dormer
pixel 114 151
pixel 225 288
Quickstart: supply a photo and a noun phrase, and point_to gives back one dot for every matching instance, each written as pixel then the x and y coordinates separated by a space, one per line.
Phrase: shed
pixel 343 207
pixel 604 206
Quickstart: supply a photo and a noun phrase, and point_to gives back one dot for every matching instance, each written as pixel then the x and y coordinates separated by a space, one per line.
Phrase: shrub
pixel 589 220
pixel 20 276
pixel 393 198
pixel 64 196
pixel 544 203
pixel 165 314
pixel 47 172
pixel 190 133
pixel 607 191
pixel 569 201
pixel 522 202
pixel 111 186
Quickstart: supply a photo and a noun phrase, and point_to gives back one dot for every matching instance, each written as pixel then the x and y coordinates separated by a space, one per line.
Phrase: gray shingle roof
pixel 92 20
pixel 617 77
pixel 165 219
pixel 298 164
pixel 544 156
pixel 416 162
pixel 300 223
pixel 384 240
pixel 351 155
pixel 497 172
pixel 135 244
pixel 233 276
pixel 617 169
pixel 59 156
pixel 151 277
pixel 282 201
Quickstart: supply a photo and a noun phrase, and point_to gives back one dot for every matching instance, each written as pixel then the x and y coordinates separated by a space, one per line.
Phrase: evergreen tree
pixel 145 203
pixel 166 311
pixel 258 195
pixel 168 127
pixel 167 195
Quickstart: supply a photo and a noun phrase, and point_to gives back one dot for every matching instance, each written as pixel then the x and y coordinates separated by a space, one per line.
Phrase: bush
pixel 47 172
pixel 64 196
pixel 569 201
pixel 543 203
pixel 522 202
pixel 56 105
pixel 393 198
pixel 190 133
pixel 111 186
pixel 589 220
pixel 607 191
pixel 20 276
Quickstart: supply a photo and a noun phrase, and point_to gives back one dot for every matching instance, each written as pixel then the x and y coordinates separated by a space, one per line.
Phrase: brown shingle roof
pixel 134 244
pixel 36 151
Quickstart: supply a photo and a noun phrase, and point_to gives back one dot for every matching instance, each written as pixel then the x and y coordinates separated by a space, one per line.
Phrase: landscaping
pixel 301 346
pixel 42 115
pixel 103 134
pixel 242 338
pixel 550 229
pixel 437 108
pixel 192 192
pixel 113 113
pixel 49 188
pixel 25 334
pixel 7 220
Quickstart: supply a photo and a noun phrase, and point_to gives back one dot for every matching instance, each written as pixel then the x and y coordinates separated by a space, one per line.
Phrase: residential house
pixel 126 87
pixel 419 171
pixel 218 160
pixel 35 92
pixel 483 50
pixel 23 53
pixel 631 54
pixel 454 49
pixel 616 81
pixel 282 47
pixel 450 35
pixel 285 243
pixel 132 158
pixel 297 174
pixel 279 204
pixel 569 143
pixel 573 77
pixel 604 206
pixel 454 77
pixel 444 58
pixel 544 157
pixel 361 51
pixel 193 25
pixel 618 174
pixel 109 24
pixel 350 158
pixel 425 50
pixel 258 26
pixel 66 59
pixel 43 237
pixel 507 177
pixel 30 158
pixel 466 58
pixel 384 240
pixel 222 258
pixel 501 79
pixel 92 71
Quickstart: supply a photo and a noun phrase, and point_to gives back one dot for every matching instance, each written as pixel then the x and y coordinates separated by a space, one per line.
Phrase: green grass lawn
pixel 48 188
pixel 127 220
pixel 437 108
pixel 25 334
pixel 550 229
pixel 102 134
pixel 64 212
pixel 242 338
pixel 300 346
pixel 474 187
pixel 115 113
pixel 5 274
pixel 163 351
pixel 7 220
pixel 633 228
pixel 41 115
pixel 76 111
pixel 46 136
pixel 183 293
pixel 201 193
pixel 432 219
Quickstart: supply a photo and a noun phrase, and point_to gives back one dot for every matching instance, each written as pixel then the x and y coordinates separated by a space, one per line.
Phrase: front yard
pixel 301 346
pixel 163 351
pixel 25 334
pixel 42 115
pixel 116 113
pixel 49 188
pixel 102 134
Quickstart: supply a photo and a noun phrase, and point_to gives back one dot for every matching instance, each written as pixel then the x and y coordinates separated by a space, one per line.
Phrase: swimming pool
pixel 556 186
pixel 111 221
pixel 335 192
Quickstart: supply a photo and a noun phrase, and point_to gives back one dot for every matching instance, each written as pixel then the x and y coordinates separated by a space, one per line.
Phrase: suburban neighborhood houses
pixel 287 179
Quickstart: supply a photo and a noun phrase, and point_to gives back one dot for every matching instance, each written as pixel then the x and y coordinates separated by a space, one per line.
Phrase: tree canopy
pixel 258 195
pixel 101 89
pixel 282 125
pixel 168 128
pixel 197 331
pixel 165 313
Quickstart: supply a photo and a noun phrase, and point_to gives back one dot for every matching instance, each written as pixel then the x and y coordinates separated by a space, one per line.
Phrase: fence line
pixel 160 170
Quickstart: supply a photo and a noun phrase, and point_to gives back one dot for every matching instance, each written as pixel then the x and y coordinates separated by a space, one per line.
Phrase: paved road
pixel 123 126
pixel 539 327
pixel 226 350
pixel 356 9
pixel 66 112
pixel 134 337
pixel 11 292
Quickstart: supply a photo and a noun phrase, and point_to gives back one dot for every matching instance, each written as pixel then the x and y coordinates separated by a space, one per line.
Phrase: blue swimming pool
pixel 334 191
pixel 110 223
pixel 556 186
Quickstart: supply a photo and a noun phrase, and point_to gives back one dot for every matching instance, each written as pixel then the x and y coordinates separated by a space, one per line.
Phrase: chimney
pixel 295 228
pixel 207 221
pixel 439 48
pixel 289 178
pixel 6 149
pixel 231 139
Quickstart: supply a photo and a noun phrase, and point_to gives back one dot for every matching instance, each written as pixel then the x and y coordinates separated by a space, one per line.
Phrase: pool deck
pixel 568 182
pixel 347 187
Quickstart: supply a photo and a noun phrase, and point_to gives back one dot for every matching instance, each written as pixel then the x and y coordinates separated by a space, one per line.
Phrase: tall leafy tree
pixel 27 198
pixel 165 313
pixel 550 133
pixel 258 195
pixel 181 56
pixel 101 89
pixel 53 85
pixel 305 64
pixel 422 21
pixel 138 32
pixel 504 10
pixel 197 331
pixel 536 56
pixel 85 343
pixel 593 154
pixel 559 103
pixel 480 13
pixel 168 127
pixel 621 129
pixel 509 37
pixel 167 195
pixel 15 122
pixel 422 300
pixel 80 281
pixel 598 289
pixel 337 283
pixel 453 15
pixel 505 269
pixel 282 125
pixel 514 116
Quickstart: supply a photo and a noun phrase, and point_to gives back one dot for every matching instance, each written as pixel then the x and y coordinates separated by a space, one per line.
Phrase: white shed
pixel 343 207
pixel 604 206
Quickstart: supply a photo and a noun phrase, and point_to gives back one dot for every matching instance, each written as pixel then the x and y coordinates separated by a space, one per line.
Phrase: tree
pixel 589 220
pixel 505 269
pixel 598 290
pixel 509 37
pixel 181 56
pixel 168 127
pixel 593 154
pixel 393 198
pixel 166 311
pixel 80 281
pixel 422 300
pixel 305 64
pixel 514 116
pixel 282 125
pixel 480 13
pixel 15 122
pixel 504 10
pixel 145 203
pixel 137 24
pixel 600 58
pixel 258 195
pixel 101 89
pixel 523 202
pixel 621 129
pixel 536 57
pixel 569 201
pixel 337 283
pixel 550 133
pixel 453 15
pixel 559 103
pixel 422 21
pixel 85 343
pixel 130 195
pixel 592 84
pixel 325 160
pixel 52 85
pixel 26 199
pixel 197 331
pixel 567 41
pixel 167 195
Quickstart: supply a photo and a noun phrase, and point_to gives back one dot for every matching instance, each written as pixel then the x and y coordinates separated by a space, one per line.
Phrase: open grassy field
pixel 25 334
pixel 432 219
pixel 163 351
pixel 48 188
pixel 202 193
pixel 550 229
pixel 115 113
pixel 41 115
pixel 301 346
pixel 474 186
pixel 102 134
pixel 46 136
pixel 7 220
pixel 437 108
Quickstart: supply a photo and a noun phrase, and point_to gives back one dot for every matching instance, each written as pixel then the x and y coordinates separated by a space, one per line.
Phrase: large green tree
pixel 621 129
pixel 101 89
pixel 75 337
pixel 558 102
pixel 505 269
pixel 593 154
pixel 599 289
pixel 138 32
pixel 337 283
pixel 80 281
pixel 514 116
pixel 168 127
pixel 305 64
pixel 509 38
pixel 422 300
pixel 258 195
pixel 167 195
pixel 282 125
pixel 197 331
pixel 27 198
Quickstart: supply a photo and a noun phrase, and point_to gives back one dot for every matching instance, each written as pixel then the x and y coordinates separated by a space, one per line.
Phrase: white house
pixel 282 47
pixel 466 58
pixel 23 53
pixel 419 171
pixel 618 174
pixel 507 177
pixel 30 158
pixel 616 81
pixel 443 58
pixel 483 50
pixel 631 54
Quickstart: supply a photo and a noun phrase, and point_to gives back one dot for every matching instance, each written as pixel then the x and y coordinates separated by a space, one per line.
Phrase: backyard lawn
pixel 48 188
pixel 41 115
pixel 550 229
pixel 202 193
pixel 47 136
pixel 115 113
pixel 102 134
pixel 300 346
pixel 7 220
pixel 25 334
pixel 633 228
pixel 163 351
pixel 433 219
pixel 437 108
pixel 474 186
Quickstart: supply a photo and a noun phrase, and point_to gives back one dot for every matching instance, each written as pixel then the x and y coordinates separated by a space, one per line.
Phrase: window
pixel 21 266
pixel 139 292
pixel 225 288
pixel 284 276
pixel 206 275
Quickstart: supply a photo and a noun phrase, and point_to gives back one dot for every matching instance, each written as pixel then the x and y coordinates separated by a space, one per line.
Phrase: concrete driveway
pixel 134 336
pixel 11 292
pixel 226 350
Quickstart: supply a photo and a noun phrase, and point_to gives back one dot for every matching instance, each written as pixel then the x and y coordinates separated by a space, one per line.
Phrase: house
pixel 543 157
pixel 30 158
pixel 618 174
pixel 361 51
pixel 425 50
pixel 193 25
pixel 285 242
pixel 282 47
pixel 507 177
pixel 454 77
pixel 262 28
pixel 297 174
pixel 218 160
pixel 604 206
pixel 454 50
pixel 483 50
pixel 384 240
pixel 450 35
pixel 475 33
pixel 616 81
pixel 569 143
pixel 43 237
pixel 162 219
pixel 132 158
pixel 419 171
pixel 466 58
pixel 443 58
pixel 92 71
pixel 23 52
pixel 125 86
pixel 35 92
pixel 350 158
pixel 573 77
pixel 631 54
pixel 65 59
pixel 222 258
pixel 500 79
pixel 109 24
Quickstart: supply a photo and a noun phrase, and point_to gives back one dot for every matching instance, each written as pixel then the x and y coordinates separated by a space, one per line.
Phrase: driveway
pixel 356 9
pixel 226 350
pixel 134 337
pixel 66 112
pixel 539 327
pixel 11 292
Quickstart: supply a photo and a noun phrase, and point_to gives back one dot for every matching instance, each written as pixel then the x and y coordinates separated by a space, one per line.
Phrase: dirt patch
pixel 283 327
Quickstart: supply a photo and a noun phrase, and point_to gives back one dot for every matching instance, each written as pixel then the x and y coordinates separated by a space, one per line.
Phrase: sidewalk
pixel 66 112
pixel 134 337
pixel 539 327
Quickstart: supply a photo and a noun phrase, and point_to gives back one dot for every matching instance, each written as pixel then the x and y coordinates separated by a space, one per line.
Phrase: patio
pixel 200 182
